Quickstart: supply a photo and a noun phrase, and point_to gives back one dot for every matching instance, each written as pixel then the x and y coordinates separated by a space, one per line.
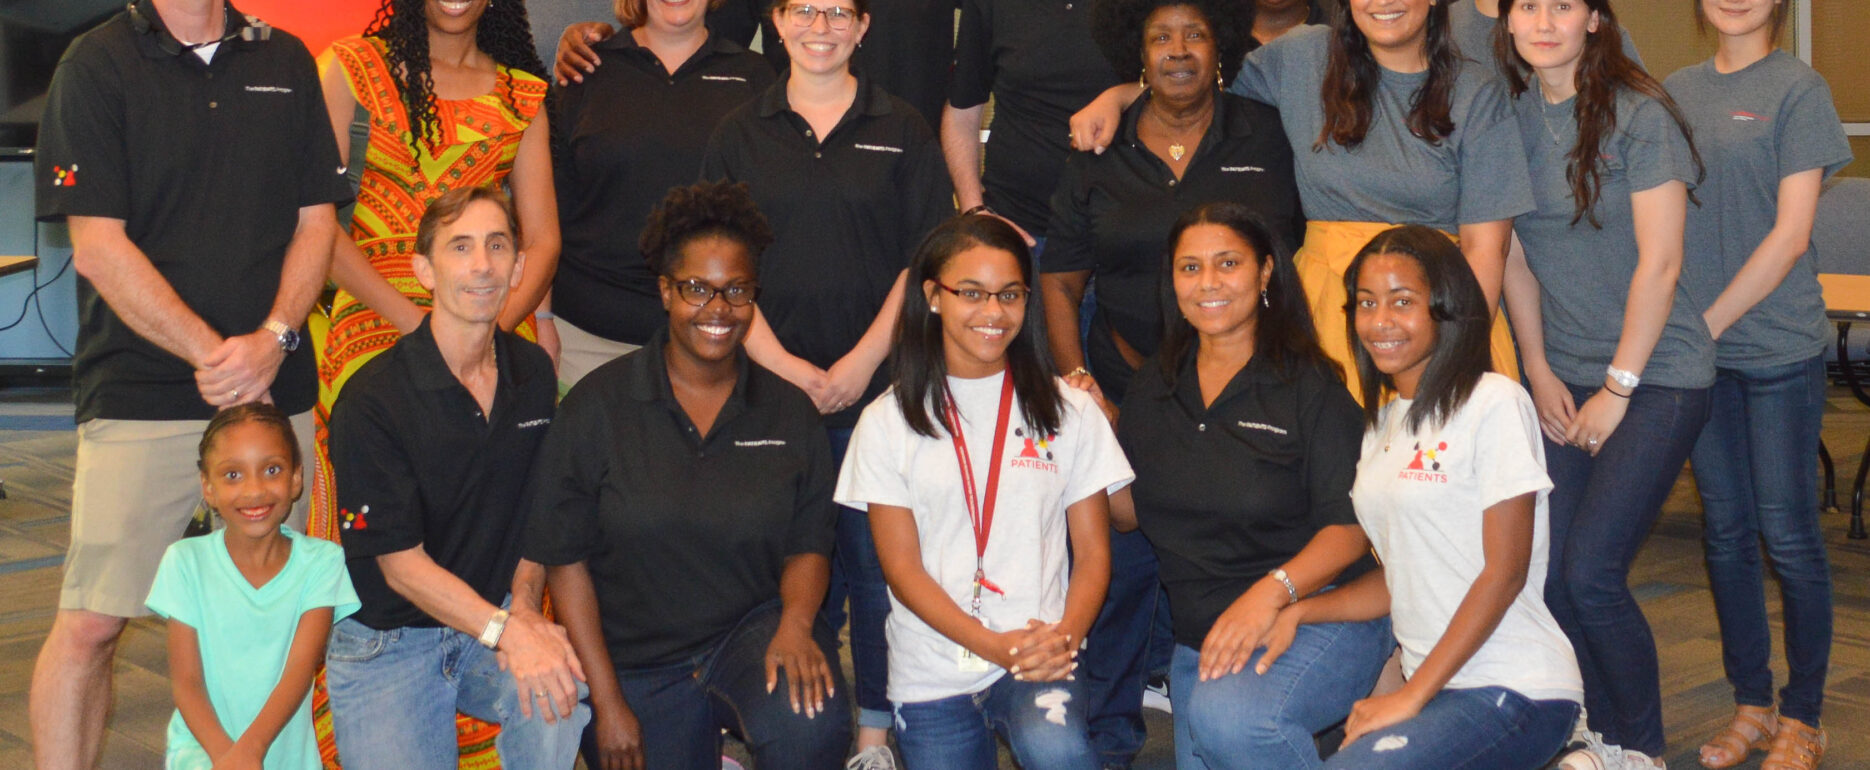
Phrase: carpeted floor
pixel 36 455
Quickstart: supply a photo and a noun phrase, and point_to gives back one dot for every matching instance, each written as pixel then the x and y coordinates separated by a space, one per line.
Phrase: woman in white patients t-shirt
pixel 979 469
pixel 1451 489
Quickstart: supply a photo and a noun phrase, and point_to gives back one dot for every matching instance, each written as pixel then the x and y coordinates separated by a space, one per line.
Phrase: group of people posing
pixel 1216 377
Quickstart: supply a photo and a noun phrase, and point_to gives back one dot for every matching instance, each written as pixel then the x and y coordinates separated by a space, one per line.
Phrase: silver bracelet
pixel 1292 591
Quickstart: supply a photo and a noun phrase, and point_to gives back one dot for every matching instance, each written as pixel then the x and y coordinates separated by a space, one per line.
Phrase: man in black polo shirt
pixel 188 149
pixel 431 443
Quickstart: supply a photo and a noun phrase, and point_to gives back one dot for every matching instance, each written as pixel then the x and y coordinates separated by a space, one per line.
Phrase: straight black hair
pixel 1283 333
pixel 1463 326
pixel 919 365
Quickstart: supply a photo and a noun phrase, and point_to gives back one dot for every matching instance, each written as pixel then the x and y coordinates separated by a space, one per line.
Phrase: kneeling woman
pixel 978 466
pixel 685 495
pixel 1245 445
pixel 1452 489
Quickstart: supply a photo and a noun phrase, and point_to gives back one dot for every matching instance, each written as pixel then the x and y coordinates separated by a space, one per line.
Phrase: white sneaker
pixel 1156 695
pixel 872 758
pixel 1594 754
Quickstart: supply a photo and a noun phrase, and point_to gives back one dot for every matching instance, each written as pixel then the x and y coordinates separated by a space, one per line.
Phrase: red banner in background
pixel 317 22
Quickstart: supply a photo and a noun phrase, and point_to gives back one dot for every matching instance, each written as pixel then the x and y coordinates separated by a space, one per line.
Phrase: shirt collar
pixel 155 40
pixel 1227 123
pixel 625 43
pixel 430 372
pixel 871 99
pixel 1258 371
pixel 648 379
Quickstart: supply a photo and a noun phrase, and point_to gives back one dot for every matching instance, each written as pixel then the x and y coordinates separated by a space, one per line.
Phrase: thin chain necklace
pixel 1176 149
pixel 1545 108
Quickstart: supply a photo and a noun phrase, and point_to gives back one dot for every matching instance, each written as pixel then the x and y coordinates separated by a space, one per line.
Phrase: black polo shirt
pixel 683 534
pixel 208 165
pixel 1038 62
pixel 417 463
pixel 847 209
pixel 1229 492
pixel 1111 215
pixel 621 139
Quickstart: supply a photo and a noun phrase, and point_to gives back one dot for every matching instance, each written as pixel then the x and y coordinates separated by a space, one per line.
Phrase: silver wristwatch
pixel 288 337
pixel 496 625
pixel 1628 380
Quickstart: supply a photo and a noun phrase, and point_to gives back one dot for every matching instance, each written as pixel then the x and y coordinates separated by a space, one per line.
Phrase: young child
pixel 248 606
pixel 976 467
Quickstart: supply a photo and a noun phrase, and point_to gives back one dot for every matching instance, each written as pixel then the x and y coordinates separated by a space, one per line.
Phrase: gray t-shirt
pixel 1473 34
pixel 1754 128
pixel 549 20
pixel 1584 272
pixel 1476 174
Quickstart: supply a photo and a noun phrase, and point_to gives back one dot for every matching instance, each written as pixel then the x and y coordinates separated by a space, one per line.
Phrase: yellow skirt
pixel 1327 253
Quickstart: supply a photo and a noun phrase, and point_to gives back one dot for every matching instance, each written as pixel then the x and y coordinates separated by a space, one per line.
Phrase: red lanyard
pixel 981 516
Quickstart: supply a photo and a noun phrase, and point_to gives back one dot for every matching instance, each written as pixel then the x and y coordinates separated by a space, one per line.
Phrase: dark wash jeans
pixel 1757 470
pixel 683 707
pixel 1602 509
pixel 856 575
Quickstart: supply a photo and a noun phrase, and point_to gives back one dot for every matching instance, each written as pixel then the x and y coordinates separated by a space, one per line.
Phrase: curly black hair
pixel 503 33
pixel 1117 28
pixel 724 209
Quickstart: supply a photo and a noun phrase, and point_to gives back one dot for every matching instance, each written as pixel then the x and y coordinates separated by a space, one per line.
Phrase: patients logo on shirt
pixel 65 177
pixel 353 520
pixel 1743 115
pixel 1426 465
pixel 1036 453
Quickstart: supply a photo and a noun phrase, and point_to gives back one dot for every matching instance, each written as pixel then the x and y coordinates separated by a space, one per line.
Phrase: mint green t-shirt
pixel 245 634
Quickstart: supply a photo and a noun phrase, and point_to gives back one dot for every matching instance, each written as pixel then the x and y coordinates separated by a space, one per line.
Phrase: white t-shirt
pixel 1421 497
pixel 889 464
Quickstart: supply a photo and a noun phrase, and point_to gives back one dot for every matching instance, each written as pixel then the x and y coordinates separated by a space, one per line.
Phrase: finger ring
pixel 235 393
pixel 1592 442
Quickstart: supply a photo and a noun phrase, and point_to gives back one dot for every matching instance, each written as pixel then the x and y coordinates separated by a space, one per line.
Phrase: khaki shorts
pixel 580 351
pixel 134 489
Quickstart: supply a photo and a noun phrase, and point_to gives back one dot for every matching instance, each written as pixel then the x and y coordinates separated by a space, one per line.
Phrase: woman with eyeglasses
pixel 681 502
pixel 986 478
pixel 851 178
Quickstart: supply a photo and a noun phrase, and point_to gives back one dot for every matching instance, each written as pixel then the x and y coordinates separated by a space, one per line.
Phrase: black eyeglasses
pixel 1012 297
pixel 699 294
pixel 837 17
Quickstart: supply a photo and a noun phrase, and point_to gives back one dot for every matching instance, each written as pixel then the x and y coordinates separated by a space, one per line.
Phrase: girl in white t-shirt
pixel 977 466
pixel 1451 488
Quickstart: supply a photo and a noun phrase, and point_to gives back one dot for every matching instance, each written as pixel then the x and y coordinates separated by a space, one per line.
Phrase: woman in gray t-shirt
pixel 1770 135
pixel 1597 310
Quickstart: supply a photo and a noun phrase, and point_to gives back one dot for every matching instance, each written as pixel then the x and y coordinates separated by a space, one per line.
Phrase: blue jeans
pixel 1043 722
pixel 1485 728
pixel 683 707
pixel 856 575
pixel 1250 721
pixel 1602 508
pixel 1757 472
pixel 1115 661
pixel 394 695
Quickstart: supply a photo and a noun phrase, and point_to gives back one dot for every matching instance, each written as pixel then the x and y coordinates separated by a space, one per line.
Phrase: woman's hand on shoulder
pixel 575 58
pixel 1082 380
pixel 1093 127
pixel 808 674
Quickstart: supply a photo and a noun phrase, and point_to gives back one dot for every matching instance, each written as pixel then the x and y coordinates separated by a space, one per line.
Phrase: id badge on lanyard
pixel 980 509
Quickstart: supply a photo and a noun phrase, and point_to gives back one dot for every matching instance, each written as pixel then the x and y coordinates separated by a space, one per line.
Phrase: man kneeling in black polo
pixel 432 442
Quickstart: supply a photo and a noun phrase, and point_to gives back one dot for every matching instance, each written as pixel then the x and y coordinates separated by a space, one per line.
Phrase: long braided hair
pixel 503 33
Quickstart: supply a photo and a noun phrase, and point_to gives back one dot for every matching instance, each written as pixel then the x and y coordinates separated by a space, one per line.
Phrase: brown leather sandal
pixel 1798 747
pixel 1752 727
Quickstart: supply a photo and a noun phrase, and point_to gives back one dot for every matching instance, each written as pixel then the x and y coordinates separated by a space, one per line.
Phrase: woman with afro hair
pixel 681 502
pixel 1183 143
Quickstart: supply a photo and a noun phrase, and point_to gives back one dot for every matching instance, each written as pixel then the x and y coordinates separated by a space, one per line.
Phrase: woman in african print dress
pixel 466 111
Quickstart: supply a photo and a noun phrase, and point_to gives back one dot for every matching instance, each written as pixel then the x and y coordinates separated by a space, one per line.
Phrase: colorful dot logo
pixel 354 520
pixel 65 177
